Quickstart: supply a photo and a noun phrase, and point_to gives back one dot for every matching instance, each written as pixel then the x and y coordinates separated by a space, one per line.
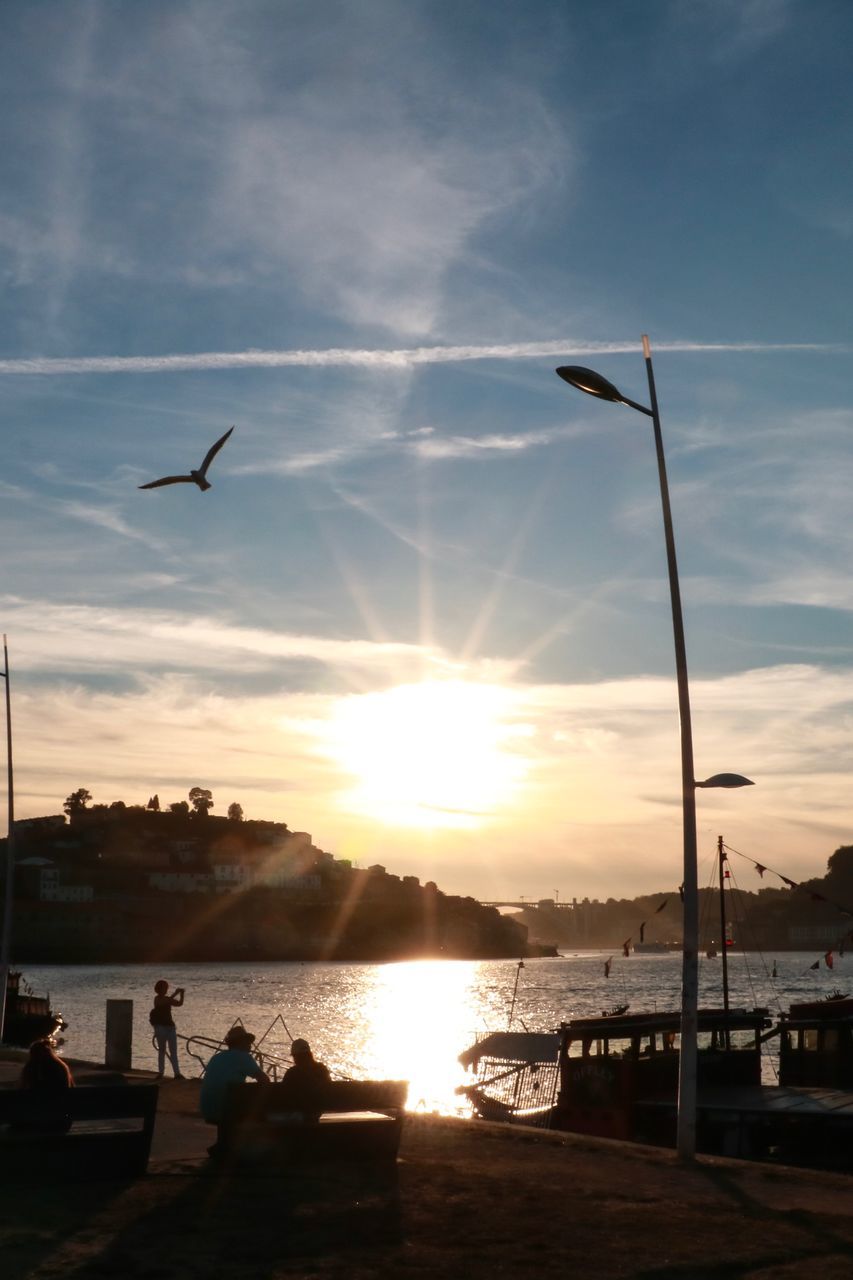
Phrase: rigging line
pixel 793 884
pixel 740 920
pixel 740 917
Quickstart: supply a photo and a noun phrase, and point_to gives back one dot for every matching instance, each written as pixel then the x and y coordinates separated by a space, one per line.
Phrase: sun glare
pixel 435 754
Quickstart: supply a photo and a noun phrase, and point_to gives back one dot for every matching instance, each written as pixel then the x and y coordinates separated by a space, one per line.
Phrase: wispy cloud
pixel 83 639
pixel 379 358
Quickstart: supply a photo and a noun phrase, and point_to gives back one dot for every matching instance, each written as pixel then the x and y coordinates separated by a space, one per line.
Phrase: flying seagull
pixel 194 477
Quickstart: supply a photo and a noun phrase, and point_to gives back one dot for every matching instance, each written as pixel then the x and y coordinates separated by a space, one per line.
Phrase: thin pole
pixel 686 1139
pixel 6 936
pixel 723 936
pixel 514 994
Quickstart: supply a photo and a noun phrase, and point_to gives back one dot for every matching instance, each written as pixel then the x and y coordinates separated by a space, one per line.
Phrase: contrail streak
pixel 342 357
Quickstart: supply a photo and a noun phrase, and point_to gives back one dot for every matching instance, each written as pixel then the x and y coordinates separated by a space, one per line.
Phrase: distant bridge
pixel 532 904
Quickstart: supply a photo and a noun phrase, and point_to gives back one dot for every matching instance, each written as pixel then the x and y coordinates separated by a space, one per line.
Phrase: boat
pixel 612 1076
pixel 816 1043
pixel 616 1076
pixel 28 1017
pixel 516 1076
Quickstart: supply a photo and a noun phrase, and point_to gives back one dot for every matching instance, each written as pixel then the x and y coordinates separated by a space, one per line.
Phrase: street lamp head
pixel 726 780
pixel 589 381
pixel 594 385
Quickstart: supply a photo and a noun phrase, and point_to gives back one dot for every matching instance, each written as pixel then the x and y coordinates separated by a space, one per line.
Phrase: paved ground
pixel 466 1202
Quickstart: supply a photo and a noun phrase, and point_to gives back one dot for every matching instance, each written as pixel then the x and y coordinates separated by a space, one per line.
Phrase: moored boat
pixel 28 1017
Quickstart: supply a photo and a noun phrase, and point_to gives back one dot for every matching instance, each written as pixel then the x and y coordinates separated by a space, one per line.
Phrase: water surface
pixel 409 1020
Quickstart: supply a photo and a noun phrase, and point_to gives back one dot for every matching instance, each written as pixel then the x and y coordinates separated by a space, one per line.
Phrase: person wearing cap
pixel 232 1065
pixel 305 1082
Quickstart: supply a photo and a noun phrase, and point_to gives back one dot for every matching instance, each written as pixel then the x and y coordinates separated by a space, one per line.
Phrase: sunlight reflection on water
pixel 402 1021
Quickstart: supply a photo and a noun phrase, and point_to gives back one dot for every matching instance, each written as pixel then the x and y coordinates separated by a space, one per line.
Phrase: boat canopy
pixel 628 1025
pixel 530 1047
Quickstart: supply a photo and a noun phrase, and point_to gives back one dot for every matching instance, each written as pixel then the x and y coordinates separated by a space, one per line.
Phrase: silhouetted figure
pixel 305 1082
pixel 231 1065
pixel 165 1032
pixel 45 1073
pixel 194 477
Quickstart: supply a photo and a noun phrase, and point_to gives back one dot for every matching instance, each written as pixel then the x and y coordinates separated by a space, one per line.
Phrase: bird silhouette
pixel 195 477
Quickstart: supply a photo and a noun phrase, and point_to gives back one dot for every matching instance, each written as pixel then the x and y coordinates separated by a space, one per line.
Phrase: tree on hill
pixel 235 812
pixel 201 800
pixel 180 807
pixel 154 804
pixel 77 801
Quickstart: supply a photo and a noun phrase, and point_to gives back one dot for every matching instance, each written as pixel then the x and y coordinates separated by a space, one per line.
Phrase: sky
pixel 423 612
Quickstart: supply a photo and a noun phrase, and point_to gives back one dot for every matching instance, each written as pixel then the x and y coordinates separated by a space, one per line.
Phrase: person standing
pixel 165 1033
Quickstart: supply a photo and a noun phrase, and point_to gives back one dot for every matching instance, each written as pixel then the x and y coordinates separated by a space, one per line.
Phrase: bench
pixel 360 1121
pixel 109 1135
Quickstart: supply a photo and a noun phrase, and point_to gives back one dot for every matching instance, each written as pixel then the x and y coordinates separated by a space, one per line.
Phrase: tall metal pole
pixel 686 1137
pixel 724 933
pixel 6 936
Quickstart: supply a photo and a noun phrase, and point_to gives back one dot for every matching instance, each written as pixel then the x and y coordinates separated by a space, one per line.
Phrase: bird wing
pixel 155 484
pixel 213 450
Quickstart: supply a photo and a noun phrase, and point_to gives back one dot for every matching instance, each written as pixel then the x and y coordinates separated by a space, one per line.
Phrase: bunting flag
pixel 661 907
pixel 626 947
pixel 607 964
pixel 839 948
pixel 643 931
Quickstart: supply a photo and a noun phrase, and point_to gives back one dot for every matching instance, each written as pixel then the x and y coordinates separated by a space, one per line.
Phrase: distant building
pixel 181 881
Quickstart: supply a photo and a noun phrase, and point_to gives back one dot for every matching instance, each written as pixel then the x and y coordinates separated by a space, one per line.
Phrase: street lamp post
pixel 594 384
pixel 6 933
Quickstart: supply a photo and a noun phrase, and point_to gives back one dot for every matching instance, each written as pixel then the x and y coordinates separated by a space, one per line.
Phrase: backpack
pixel 153 1018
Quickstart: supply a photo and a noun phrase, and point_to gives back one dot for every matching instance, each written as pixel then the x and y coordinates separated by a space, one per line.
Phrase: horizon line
pixel 377 358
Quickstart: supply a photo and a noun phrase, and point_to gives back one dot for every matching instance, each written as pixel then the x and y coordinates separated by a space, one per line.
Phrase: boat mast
pixel 723 934
pixel 514 994
pixel 6 936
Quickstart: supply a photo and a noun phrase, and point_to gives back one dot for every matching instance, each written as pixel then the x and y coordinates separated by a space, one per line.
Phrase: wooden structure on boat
pixel 28 1016
pixel 816 1044
pixel 517 1074
pixel 609 1066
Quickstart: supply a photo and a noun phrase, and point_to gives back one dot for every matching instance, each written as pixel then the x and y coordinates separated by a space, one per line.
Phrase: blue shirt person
pixel 231 1065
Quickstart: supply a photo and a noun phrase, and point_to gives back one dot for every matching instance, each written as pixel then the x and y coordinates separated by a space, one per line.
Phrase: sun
pixel 432 754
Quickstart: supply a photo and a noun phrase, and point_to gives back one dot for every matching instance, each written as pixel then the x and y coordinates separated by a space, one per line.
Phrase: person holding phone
pixel 165 1033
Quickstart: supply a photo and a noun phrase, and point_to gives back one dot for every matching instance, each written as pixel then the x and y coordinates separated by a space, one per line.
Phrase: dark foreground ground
pixel 468 1201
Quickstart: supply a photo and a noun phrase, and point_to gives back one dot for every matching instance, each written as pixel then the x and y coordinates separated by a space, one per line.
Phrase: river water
pixel 406 1021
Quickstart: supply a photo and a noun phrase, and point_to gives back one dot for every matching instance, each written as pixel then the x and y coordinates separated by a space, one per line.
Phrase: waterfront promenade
pixel 470 1201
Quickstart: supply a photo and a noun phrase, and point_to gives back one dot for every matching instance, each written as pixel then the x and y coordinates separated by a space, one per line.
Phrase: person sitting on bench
pixel 306 1081
pixel 45 1072
pixel 230 1066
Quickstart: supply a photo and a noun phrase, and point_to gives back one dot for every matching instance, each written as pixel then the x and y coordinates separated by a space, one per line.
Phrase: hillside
pixel 131 883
